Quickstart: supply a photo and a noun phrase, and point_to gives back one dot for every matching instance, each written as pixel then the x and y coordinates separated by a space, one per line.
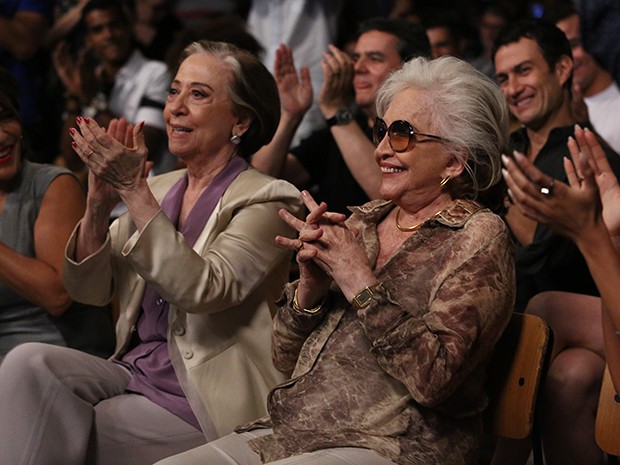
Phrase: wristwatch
pixel 364 297
pixel 342 116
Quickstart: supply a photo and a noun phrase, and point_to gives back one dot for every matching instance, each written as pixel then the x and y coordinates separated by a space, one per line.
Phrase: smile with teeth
pixel 391 169
pixel 5 150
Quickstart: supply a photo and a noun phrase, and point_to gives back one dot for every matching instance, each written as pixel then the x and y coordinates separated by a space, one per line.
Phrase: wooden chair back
pixel 516 373
pixel 608 418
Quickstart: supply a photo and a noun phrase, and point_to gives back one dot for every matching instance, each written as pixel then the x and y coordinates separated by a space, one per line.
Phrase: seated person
pixel 388 332
pixel 39 207
pixel 196 270
pixel 589 333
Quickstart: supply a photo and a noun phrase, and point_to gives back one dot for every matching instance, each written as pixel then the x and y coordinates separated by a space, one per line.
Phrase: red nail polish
pixel 87 119
pixel 72 131
pixel 78 119
pixel 73 145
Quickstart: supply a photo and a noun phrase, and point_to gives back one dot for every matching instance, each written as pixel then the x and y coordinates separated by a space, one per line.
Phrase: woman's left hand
pixel 118 156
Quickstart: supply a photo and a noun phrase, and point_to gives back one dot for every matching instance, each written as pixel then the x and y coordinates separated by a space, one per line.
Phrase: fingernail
pixel 578 128
pixel 78 119
pixel 304 193
pixel 86 119
pixel 72 131
pixel 73 145
pixel 505 159
pixel 504 172
pixel 510 194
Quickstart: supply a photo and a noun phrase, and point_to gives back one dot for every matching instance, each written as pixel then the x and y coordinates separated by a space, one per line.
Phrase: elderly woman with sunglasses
pixel 387 333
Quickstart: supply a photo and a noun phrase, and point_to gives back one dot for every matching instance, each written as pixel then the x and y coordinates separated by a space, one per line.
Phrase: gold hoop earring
pixel 445 181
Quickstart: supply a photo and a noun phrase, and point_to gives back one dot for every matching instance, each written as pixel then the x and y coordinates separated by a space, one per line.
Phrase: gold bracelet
pixel 297 308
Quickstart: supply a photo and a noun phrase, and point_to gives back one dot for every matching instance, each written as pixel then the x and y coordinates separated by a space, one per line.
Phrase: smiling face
pixel 108 35
pixel 376 55
pixel 199 114
pixel 10 149
pixel 534 92
pixel 412 179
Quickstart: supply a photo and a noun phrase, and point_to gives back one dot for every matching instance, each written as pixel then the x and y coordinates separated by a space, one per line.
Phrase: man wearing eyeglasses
pixel 338 161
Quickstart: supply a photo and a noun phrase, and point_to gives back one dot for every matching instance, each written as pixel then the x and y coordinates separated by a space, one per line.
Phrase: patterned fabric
pixel 406 378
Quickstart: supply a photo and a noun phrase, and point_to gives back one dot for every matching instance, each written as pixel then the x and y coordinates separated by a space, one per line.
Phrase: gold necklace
pixel 415 227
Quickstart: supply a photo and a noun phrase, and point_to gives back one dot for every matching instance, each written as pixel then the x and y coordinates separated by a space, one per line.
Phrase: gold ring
pixel 300 246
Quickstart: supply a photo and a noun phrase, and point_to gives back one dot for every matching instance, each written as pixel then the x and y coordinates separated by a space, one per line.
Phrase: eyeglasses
pixel 401 135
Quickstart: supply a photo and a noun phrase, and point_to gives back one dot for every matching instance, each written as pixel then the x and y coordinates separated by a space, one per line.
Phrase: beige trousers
pixel 59 406
pixel 233 449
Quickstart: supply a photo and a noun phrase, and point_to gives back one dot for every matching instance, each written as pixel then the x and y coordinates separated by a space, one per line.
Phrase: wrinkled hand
pixel 295 91
pixel 337 88
pixel 117 156
pixel 314 282
pixel 570 209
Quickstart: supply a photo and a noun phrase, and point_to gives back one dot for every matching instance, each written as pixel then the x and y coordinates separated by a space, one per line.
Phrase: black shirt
pixel 552 262
pixel 321 158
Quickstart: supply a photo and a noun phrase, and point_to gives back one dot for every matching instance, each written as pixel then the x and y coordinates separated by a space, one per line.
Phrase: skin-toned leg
pixel 572 385
pixel 574 378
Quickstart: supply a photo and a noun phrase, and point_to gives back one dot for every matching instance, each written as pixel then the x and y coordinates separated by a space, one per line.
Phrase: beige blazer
pixel 221 293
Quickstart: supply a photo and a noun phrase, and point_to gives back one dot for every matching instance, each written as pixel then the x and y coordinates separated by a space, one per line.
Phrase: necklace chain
pixel 415 227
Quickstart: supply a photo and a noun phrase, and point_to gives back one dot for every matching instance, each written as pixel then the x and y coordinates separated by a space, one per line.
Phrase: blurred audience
pixel 23 25
pixel 111 78
pixel 155 27
pixel 596 96
pixel 444 36
pixel 307 27
pixel 491 20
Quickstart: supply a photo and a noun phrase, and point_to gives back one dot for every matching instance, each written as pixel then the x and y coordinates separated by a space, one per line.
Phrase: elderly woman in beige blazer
pixel 196 271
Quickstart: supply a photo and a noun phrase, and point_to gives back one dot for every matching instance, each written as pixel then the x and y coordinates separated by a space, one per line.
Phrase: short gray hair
pixel 252 90
pixel 467 108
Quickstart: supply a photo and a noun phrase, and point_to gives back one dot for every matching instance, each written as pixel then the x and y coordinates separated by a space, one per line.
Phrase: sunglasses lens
pixel 378 131
pixel 401 133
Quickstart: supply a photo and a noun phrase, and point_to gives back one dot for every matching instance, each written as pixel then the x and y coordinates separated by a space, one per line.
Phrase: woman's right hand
pixel 313 281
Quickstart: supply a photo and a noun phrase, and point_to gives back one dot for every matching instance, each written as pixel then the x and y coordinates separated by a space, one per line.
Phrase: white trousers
pixel 233 449
pixel 60 406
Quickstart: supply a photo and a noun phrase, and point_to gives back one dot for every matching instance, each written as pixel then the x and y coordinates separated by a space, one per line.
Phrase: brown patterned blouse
pixel 407 378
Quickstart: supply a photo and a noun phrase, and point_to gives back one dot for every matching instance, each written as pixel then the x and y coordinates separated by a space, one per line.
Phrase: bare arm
pixel 357 150
pixel 38 279
pixel 295 98
pixel 22 35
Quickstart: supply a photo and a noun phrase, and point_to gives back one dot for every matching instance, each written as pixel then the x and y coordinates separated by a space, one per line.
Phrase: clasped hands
pixel 326 249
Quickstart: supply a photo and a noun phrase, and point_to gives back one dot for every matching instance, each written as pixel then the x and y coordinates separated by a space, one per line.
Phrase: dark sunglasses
pixel 402 136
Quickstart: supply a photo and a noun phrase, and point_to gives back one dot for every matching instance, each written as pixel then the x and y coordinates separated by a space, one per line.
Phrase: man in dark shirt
pixel 534 67
pixel 339 160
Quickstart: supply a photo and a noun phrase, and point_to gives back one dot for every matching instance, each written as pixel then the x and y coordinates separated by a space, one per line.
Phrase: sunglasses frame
pixel 413 134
